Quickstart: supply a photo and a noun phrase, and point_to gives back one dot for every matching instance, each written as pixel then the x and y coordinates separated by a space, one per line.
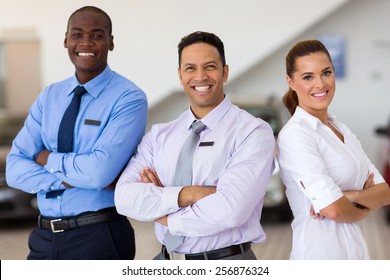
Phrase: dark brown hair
pixel 202 37
pixel 302 48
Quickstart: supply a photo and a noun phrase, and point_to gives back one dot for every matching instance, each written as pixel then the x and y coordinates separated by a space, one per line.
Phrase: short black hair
pixel 95 10
pixel 202 37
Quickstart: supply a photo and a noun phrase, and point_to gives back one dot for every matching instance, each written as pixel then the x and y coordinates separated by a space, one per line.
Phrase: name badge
pixel 204 144
pixel 92 122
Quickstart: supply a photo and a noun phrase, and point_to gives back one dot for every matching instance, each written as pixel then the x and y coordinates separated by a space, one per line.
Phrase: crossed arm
pixel 371 196
pixel 188 194
pixel 42 157
pixel 355 205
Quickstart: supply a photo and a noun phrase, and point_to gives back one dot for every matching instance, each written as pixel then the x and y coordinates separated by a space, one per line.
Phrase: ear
pixel 179 74
pixel 66 40
pixel 111 48
pixel 290 82
pixel 225 73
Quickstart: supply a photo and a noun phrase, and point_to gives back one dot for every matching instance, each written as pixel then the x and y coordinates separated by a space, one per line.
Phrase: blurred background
pixel 257 35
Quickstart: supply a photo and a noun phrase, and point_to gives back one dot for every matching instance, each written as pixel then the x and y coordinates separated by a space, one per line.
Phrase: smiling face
pixel 314 83
pixel 88 40
pixel 202 76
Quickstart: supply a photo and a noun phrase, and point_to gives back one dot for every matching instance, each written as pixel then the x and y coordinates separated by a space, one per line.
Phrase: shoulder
pixel 56 89
pixel 64 84
pixel 296 131
pixel 243 124
pixel 125 85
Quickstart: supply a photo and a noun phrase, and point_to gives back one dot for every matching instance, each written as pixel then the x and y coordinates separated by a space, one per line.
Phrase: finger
pixel 144 177
pixel 151 176
pixel 157 178
pixel 312 213
pixel 370 181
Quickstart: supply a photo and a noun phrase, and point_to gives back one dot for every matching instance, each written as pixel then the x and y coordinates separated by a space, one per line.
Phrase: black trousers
pixel 113 240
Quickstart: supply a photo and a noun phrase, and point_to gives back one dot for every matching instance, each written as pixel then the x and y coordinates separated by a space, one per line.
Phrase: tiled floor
pixel 13 239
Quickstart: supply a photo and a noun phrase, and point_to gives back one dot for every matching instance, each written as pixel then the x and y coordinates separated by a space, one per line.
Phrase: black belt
pixel 67 223
pixel 214 254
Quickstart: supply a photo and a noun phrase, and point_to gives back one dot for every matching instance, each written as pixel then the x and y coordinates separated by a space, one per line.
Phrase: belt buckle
pixel 52 226
pixel 176 256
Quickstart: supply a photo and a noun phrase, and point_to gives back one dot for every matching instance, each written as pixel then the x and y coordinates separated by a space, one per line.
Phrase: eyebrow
pixel 81 29
pixel 206 63
pixel 309 73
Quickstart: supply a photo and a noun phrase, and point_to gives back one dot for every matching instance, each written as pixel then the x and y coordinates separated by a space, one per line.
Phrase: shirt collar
pixel 311 120
pixel 213 117
pixel 95 86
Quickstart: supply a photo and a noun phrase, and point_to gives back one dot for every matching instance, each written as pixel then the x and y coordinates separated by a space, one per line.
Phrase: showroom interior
pixel 257 36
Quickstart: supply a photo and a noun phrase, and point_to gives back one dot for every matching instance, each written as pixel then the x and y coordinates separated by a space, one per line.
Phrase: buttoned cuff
pixel 54 162
pixel 175 224
pixel 170 197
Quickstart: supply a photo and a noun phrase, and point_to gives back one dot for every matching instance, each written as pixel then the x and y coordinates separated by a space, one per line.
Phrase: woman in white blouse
pixel 330 182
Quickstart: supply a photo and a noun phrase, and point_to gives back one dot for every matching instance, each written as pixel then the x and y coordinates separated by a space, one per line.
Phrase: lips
pixel 202 88
pixel 85 54
pixel 320 94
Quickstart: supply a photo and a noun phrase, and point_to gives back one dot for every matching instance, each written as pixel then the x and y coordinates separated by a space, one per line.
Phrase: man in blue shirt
pixel 75 189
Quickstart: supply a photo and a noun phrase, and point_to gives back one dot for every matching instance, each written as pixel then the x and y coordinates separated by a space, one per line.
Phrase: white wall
pixel 147 32
pixel 362 98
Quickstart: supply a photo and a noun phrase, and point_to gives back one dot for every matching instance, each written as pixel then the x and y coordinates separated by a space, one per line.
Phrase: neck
pixel 322 115
pixel 201 110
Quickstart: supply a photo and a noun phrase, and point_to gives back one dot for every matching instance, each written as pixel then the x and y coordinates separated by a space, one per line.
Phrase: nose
pixel 201 75
pixel 320 83
pixel 86 41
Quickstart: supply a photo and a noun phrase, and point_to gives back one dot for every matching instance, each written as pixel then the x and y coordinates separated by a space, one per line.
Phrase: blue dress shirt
pixel 110 123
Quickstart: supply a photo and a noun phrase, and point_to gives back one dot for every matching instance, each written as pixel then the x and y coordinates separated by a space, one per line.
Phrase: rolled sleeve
pixel 320 191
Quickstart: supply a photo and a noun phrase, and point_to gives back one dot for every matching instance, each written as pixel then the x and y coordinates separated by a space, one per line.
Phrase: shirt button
pixel 67 175
pixel 58 197
pixel 313 198
pixel 51 170
pixel 52 187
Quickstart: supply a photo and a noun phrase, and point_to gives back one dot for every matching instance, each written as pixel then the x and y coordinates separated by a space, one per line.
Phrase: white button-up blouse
pixel 316 166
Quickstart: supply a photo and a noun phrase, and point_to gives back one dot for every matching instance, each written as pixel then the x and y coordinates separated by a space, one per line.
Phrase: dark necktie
pixel 66 129
pixel 183 175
